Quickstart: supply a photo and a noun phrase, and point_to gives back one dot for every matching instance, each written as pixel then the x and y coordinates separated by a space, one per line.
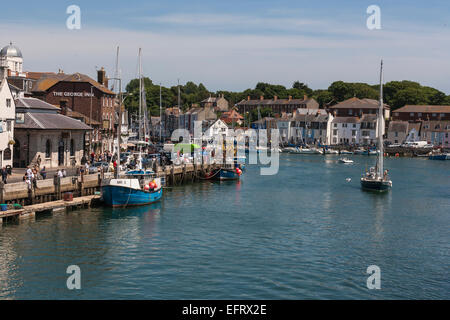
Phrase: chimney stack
pixel 248 98
pixel 290 98
pixel 261 98
pixel 101 76
pixel 305 97
pixel 275 98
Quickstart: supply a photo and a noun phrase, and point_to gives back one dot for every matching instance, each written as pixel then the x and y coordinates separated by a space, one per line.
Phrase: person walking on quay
pixel 4 174
pixel 64 173
pixel 43 173
pixel 38 161
pixel 87 167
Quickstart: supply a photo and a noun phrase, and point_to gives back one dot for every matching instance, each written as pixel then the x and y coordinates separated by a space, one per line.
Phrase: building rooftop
pixel 346 120
pixel 50 121
pixel 424 109
pixel 10 51
pixel 263 102
pixel 356 103
pixel 398 126
pixel 46 80
pixel 34 103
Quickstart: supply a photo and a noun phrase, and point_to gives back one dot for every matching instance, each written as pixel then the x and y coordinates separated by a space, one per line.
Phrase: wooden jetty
pixel 32 210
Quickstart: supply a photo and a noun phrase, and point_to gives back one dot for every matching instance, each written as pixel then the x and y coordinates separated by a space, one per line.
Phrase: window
pixel 350 111
pixel 72 148
pixel 335 132
pixel 354 125
pixel 434 115
pixel 396 134
pixel 419 114
pixel 353 132
pixel 20 117
pixel 48 149
pixel 334 140
pixel 8 103
pixel 7 154
pixel 335 125
pixel 411 114
pixel 8 125
pixel 344 125
pixel 442 115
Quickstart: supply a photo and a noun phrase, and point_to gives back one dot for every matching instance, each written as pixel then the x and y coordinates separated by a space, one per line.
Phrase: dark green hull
pixel 375 185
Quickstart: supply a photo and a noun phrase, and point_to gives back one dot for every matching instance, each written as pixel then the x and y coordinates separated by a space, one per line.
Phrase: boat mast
pixel 140 109
pixel 380 126
pixel 160 113
pixel 140 96
pixel 119 129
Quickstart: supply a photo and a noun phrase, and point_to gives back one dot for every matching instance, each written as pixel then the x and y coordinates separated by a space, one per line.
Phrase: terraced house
pixel 278 106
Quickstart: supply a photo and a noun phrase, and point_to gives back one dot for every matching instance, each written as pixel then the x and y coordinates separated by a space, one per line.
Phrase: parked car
pixel 95 167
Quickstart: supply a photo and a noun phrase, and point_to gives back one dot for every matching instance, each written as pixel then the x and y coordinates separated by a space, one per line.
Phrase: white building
pixel 11 62
pixel 217 128
pixel 345 130
pixel 7 117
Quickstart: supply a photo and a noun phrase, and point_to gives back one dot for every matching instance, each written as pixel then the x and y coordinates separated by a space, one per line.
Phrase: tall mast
pixel 160 113
pixel 140 96
pixel 119 127
pixel 380 126
pixel 179 110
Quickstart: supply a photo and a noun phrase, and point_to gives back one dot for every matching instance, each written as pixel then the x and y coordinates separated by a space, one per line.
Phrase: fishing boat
pixel 376 179
pixel 134 187
pixel 229 174
pixel 346 160
pixel 132 190
pixel 441 156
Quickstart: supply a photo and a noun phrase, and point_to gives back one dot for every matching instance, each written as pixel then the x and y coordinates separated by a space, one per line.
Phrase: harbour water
pixel 305 233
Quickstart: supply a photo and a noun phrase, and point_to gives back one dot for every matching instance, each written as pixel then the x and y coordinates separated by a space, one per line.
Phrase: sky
pixel 232 45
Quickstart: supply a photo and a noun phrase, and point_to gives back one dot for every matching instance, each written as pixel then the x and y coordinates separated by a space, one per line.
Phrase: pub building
pixel 79 94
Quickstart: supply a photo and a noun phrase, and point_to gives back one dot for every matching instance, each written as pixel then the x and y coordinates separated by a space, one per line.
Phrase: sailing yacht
pixel 376 179
pixel 136 187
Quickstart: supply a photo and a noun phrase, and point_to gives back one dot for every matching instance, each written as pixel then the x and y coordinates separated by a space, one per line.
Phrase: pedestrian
pixel 43 173
pixel 87 167
pixel 64 173
pixel 4 174
pixel 38 161
pixel 29 173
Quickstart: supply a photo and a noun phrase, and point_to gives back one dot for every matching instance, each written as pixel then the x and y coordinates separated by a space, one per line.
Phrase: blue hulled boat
pixel 442 156
pixel 134 190
pixel 228 174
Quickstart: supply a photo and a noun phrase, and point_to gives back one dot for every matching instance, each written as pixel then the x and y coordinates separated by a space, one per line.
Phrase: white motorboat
pixel 346 160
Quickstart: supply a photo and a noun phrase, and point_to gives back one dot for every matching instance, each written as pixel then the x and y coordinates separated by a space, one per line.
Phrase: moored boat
pixel 132 191
pixel 441 156
pixel 377 179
